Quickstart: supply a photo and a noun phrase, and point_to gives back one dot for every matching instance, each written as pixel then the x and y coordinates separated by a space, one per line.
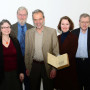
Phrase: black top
pixel 63 36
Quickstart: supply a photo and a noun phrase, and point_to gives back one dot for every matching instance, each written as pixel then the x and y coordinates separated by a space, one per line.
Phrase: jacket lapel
pixel 16 29
pixel 88 41
pixel 33 40
pixel 44 35
pixel 78 32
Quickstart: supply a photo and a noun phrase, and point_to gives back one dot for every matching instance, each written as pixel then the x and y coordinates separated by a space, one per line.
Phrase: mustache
pixel 36 25
pixel 22 22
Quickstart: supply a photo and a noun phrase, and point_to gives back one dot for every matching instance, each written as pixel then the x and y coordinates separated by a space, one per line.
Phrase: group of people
pixel 24 48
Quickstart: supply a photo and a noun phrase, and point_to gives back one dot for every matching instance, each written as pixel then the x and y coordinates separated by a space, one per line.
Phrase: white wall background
pixel 53 10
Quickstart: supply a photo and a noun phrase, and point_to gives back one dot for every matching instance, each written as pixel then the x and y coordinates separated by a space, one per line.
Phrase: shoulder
pixel 32 30
pixel 75 30
pixel 14 40
pixel 29 25
pixel 15 24
pixel 14 27
pixel 49 30
pixel 73 36
pixel 59 36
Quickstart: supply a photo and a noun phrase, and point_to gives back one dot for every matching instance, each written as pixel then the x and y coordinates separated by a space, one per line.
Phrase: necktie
pixel 22 40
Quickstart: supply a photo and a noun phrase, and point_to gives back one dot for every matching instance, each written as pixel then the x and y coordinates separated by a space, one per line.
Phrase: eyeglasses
pixel 5 27
pixel 22 14
pixel 84 22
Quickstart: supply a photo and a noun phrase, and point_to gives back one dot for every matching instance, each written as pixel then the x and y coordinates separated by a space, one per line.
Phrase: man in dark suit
pixel 83 51
pixel 19 30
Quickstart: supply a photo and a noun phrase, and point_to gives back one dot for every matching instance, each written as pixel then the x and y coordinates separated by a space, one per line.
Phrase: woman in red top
pixel 11 60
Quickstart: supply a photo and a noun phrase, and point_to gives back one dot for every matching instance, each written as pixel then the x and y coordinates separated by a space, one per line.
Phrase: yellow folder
pixel 58 62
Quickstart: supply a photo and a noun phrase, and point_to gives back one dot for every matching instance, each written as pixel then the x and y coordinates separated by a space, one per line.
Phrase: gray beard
pixel 22 23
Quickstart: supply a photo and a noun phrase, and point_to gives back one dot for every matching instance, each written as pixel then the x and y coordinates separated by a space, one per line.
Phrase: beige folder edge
pixel 58 62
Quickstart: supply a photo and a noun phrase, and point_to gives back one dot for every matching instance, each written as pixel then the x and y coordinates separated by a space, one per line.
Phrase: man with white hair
pixel 19 29
pixel 83 51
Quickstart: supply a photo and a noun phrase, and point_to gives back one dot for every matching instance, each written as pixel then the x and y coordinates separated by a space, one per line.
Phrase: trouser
pixel 83 69
pixel 38 71
pixel 26 80
pixel 10 81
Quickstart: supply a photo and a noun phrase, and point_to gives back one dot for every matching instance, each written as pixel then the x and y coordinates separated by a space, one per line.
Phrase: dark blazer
pixel 77 32
pixel 20 60
pixel 67 78
pixel 15 28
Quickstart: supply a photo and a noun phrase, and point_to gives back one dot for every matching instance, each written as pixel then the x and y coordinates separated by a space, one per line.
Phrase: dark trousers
pixel 26 80
pixel 38 71
pixel 11 81
pixel 83 69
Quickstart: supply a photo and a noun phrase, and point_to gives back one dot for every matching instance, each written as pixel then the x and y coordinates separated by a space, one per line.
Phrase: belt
pixel 37 61
pixel 82 58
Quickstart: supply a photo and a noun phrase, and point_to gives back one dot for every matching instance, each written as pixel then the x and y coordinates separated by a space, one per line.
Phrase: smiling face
pixel 38 20
pixel 22 16
pixel 5 29
pixel 65 25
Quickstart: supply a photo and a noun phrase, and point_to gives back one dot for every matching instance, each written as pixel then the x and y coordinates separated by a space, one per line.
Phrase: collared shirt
pixel 19 34
pixel 38 54
pixel 82 45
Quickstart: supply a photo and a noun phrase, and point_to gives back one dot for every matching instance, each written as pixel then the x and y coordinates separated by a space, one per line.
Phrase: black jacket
pixel 20 60
pixel 77 32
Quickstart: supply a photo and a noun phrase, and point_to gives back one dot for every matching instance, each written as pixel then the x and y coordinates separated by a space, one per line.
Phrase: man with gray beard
pixel 19 30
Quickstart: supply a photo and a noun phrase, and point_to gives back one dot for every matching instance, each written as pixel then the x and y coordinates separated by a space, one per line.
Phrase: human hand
pixel 21 77
pixel 52 73
pixel 27 72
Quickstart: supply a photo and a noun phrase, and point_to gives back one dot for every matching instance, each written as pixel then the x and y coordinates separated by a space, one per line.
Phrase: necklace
pixel 6 41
